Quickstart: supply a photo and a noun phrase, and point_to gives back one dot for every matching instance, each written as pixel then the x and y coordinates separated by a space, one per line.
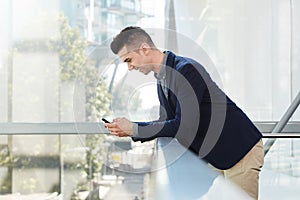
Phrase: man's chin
pixel 145 73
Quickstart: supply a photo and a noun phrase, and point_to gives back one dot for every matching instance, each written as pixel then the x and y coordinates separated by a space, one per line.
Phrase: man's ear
pixel 145 48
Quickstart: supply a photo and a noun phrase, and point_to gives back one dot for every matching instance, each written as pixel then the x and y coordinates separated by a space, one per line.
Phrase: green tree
pixel 75 66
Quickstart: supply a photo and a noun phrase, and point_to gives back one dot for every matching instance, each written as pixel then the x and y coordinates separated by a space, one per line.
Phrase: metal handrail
pixel 282 122
pixel 71 128
pixel 58 128
pixel 281 135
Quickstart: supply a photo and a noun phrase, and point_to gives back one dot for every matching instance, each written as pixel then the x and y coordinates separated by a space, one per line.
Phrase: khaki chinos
pixel 245 173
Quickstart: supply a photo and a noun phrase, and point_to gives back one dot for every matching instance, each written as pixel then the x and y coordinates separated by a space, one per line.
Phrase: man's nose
pixel 130 67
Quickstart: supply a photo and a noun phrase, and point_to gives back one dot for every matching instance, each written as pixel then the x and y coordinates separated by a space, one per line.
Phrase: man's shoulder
pixel 186 63
pixel 180 63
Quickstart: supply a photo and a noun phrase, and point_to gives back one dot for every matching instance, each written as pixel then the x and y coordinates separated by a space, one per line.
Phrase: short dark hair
pixel 131 36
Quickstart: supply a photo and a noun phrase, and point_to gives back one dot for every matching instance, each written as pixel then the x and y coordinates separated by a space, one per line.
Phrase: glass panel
pixel 283 157
pixel 54 55
pixel 280 175
pixel 74 166
pixel 253 44
pixel 55 66
pixel 34 49
pixel 295 55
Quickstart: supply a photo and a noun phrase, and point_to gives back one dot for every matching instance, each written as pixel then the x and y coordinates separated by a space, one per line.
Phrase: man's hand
pixel 120 127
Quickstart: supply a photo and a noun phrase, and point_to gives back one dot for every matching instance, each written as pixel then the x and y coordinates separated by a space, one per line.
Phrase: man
pixel 194 110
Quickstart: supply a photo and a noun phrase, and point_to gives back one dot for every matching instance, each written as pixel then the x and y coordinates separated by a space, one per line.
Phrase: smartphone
pixel 105 120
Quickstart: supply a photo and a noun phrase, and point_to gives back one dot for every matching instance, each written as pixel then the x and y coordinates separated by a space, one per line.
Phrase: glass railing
pixel 81 161
pixel 69 161
pixel 280 176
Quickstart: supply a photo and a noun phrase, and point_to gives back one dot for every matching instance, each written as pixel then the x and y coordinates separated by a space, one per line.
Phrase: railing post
pixel 282 122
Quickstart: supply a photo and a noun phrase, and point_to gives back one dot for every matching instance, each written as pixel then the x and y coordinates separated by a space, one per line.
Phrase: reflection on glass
pixel 280 175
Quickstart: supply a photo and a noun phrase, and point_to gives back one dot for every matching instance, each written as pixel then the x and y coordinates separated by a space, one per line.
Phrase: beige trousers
pixel 245 173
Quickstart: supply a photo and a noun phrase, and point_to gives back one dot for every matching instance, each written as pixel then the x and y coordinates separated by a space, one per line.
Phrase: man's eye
pixel 127 60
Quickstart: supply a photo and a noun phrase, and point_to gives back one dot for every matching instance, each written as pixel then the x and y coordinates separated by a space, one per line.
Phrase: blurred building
pixel 99 20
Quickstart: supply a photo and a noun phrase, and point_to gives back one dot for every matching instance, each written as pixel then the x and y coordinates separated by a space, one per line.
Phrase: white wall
pixel 296 55
pixel 35 19
pixel 4 35
pixel 35 87
pixel 249 42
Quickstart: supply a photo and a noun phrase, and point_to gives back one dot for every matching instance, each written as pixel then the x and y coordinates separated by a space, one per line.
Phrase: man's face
pixel 136 59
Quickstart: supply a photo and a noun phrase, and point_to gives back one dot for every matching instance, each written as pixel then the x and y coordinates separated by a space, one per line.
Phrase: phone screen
pixel 105 120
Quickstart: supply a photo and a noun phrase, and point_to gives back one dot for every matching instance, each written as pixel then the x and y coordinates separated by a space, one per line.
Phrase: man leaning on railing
pixel 193 109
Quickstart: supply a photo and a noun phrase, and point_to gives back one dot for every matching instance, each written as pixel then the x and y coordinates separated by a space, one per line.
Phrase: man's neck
pixel 158 58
